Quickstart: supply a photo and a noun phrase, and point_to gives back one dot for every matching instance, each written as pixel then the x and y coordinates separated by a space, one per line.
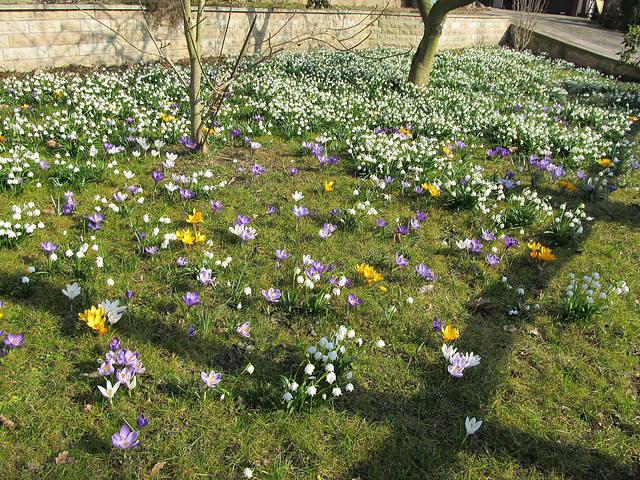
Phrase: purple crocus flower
pixel 282 255
pixel 186 193
pixel 475 246
pixel 157 176
pixel 300 211
pixel 419 190
pixel 402 230
pixel 191 299
pixel 334 212
pixel 405 184
pixel 142 421
pixel 458 365
pixel 248 234
pixel 14 341
pixel 217 205
pixel 49 247
pixel 353 301
pixel 381 223
pixel 580 174
pixel 125 439
pixel 437 325
pixel 421 216
pixel 44 165
pixel 236 133
pixel 401 261
pixel 188 143
pixel 293 171
pixel 488 236
pixel 192 331
pixel 510 242
pixel 212 379
pixel 115 344
pixel 272 295
pixel 257 170
pixel 133 189
pixel 257 118
pixel 153 250
pixel 426 273
pixel 182 261
pixel 244 329
pixel 492 260
pixel 414 224
pixel 242 220
pixel 205 276
pixel 271 210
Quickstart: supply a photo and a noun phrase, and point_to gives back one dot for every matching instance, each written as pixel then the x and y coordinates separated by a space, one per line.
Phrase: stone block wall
pixel 45 36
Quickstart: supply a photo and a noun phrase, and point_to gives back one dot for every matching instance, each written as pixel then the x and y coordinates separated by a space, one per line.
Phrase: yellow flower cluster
pixel 208 131
pixel 406 131
pixel 94 318
pixel 566 185
pixel 167 118
pixel 541 252
pixel 328 186
pixel 188 237
pixel 433 191
pixel 369 273
pixel 449 334
pixel 605 162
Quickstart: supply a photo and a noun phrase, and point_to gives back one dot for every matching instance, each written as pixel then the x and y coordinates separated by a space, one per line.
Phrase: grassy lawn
pixel 503 156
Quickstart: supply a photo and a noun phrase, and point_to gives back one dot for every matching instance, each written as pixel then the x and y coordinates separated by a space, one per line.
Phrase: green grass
pixel 557 400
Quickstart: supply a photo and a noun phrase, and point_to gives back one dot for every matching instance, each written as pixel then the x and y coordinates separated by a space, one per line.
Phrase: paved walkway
pixel 582 33
pixel 579 41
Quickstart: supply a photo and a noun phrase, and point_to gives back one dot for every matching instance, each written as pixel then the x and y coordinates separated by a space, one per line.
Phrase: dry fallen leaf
pixel 510 328
pixel 52 143
pixel 157 467
pixel 6 422
pixel 426 288
pixel 480 303
pixel 62 458
pixel 534 332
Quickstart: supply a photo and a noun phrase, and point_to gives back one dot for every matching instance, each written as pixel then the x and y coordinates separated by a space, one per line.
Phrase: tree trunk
pixel 193 35
pixel 433 18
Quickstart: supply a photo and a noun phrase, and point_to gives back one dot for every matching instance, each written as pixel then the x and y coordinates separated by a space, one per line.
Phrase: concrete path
pixel 580 41
pixel 581 32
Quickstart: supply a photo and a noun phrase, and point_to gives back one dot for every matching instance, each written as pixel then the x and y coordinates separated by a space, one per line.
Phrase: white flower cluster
pixel 15 230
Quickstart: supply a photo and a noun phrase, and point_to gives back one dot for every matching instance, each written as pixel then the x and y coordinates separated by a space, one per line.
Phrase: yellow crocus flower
pixel 196 217
pixel 605 162
pixel 328 186
pixel 545 254
pixel 94 318
pixel 449 334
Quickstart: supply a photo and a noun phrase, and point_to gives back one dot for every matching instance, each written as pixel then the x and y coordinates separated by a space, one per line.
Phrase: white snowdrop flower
pixel 336 292
pixel 250 369
pixel 380 343
pixel 328 346
pixel 287 396
pixel 409 300
pixel 309 368
pixel 247 291
pixel 247 471
pixel 311 350
pixel 520 291
pixel 336 392
pixel 349 387
pixel 80 254
pixel 25 279
pixel 99 262
pixel 329 367
pixel 300 279
pixel 145 218
pixel 356 193
pixel 327 297
pixel 332 355
pixel 351 333
pixel 331 377
pixel 317 355
pixel 110 282
pixel 95 247
pixel 359 342
pixel 53 257
pixel 69 253
pixel 311 390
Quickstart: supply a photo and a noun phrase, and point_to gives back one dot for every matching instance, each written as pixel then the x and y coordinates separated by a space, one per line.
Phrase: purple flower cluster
pixel 503 152
pixel 188 143
pixel 547 165
pixel 69 203
pixel 121 357
pixel 318 151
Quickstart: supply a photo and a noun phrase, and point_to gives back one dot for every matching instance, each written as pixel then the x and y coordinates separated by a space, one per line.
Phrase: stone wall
pixel 44 36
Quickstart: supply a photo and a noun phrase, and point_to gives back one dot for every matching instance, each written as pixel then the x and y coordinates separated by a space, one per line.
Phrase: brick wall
pixel 44 36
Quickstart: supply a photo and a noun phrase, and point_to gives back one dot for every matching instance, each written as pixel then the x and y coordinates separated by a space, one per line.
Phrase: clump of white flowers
pixel 325 375
pixel 586 298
